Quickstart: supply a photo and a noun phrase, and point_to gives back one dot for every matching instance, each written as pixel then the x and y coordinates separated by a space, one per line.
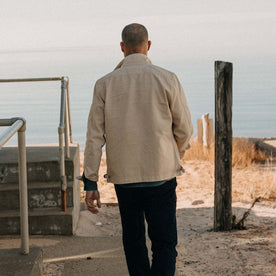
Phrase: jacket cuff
pixel 89 185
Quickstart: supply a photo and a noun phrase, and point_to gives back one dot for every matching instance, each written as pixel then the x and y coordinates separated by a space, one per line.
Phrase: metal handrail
pixel 32 79
pixel 19 125
pixel 64 128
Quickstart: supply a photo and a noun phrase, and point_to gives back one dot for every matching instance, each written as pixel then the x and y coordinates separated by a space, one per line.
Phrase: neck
pixel 130 52
pixel 139 49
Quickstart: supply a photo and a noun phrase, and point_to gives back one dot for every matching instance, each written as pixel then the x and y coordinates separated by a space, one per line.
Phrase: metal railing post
pixel 23 190
pixel 61 146
pixel 69 111
pixel 66 119
pixel 19 125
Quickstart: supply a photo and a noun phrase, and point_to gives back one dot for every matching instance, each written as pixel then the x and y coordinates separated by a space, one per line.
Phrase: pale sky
pixel 183 28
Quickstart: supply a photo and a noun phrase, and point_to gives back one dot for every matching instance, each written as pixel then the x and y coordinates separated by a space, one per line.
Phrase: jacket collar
pixel 134 59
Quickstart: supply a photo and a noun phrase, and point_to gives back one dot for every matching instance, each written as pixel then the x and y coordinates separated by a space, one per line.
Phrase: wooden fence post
pixel 223 146
pixel 208 131
pixel 205 130
pixel 199 131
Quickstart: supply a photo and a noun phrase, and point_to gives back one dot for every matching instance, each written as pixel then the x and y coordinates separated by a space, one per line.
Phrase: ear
pixel 149 44
pixel 122 46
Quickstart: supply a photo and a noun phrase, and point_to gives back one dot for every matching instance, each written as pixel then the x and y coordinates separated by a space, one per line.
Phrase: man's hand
pixel 90 198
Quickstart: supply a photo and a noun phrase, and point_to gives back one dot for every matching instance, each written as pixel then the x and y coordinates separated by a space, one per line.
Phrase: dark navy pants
pixel 158 206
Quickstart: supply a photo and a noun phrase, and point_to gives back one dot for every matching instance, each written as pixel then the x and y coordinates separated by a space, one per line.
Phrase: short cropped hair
pixel 134 35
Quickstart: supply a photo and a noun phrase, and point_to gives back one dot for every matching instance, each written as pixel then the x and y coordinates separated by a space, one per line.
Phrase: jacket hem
pixel 146 179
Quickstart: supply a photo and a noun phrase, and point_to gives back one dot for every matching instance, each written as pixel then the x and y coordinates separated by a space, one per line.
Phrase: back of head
pixel 134 35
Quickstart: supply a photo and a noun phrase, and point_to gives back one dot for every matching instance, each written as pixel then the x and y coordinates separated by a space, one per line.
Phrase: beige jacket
pixel 140 111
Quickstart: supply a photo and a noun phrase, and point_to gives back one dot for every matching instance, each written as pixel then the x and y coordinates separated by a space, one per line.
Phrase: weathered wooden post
pixel 223 146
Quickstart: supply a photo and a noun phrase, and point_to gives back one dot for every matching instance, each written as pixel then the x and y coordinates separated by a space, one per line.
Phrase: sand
pixel 201 251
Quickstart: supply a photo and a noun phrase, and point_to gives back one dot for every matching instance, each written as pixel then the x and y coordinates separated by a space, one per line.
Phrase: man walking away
pixel 140 112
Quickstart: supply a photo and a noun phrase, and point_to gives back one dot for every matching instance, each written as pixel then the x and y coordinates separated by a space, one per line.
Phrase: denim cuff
pixel 89 185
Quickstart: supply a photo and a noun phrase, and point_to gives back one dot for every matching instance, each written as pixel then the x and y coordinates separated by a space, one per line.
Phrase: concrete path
pixel 12 262
pixel 71 255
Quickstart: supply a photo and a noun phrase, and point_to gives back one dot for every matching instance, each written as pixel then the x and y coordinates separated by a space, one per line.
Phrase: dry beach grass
pixel 248 180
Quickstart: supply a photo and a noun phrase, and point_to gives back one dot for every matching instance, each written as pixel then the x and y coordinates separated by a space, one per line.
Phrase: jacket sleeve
pixel 182 125
pixel 95 136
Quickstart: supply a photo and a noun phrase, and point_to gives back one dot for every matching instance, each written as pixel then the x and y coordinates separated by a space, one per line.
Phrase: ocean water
pixel 254 90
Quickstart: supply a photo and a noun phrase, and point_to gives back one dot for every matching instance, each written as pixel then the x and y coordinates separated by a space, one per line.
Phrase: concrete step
pixel 40 195
pixel 42 164
pixel 51 221
pixel 44 196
